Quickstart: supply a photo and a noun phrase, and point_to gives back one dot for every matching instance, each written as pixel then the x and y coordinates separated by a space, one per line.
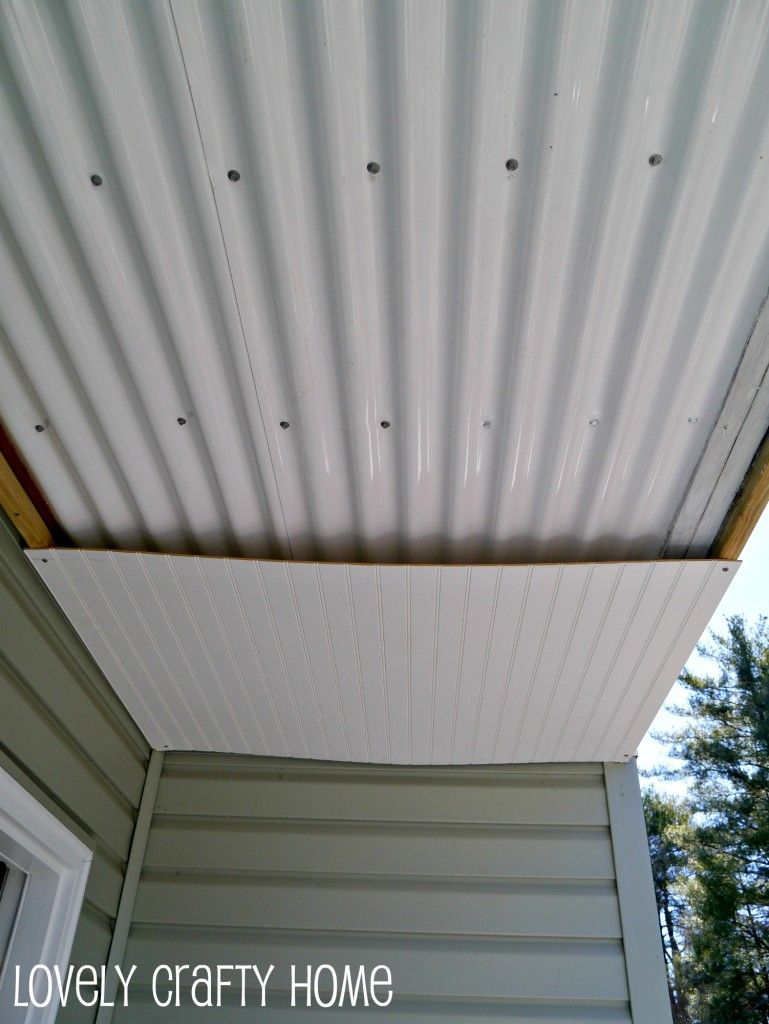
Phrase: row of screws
pixel 385 424
pixel 373 168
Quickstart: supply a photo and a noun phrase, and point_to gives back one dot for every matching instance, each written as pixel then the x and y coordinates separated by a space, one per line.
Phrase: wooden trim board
pixel 747 507
pixel 21 510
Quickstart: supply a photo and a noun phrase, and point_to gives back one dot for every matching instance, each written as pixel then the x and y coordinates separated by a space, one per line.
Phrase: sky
pixel 748 595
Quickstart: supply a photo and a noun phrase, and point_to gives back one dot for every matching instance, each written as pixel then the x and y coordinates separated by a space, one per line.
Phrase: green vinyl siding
pixel 66 737
pixel 490 892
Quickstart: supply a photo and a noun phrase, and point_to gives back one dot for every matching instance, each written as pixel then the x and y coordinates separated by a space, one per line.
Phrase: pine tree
pixel 667 824
pixel 722 931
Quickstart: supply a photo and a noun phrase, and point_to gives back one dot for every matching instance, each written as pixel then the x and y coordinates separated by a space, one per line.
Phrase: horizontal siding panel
pixel 435 851
pixel 488 891
pixel 36 741
pixel 143 1010
pixel 61 675
pixel 105 881
pixel 570 970
pixel 210 764
pixel 534 801
pixel 561 909
pixel 91 946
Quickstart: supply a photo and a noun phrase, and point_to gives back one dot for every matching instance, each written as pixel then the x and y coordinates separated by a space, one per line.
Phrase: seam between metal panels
pixel 231 280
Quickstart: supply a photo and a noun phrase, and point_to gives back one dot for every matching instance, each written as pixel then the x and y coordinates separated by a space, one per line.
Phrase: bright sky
pixel 749 596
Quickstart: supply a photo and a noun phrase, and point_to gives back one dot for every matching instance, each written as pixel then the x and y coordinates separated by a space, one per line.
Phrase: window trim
pixel 57 865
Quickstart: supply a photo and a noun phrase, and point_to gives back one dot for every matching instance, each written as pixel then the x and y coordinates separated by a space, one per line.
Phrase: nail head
pixel 96 179
pixel 233 175
pixel 385 424
pixel 181 420
pixel 284 424
pixel 511 164
pixel 655 159
pixel 594 421
pixel 373 167
pixel 39 427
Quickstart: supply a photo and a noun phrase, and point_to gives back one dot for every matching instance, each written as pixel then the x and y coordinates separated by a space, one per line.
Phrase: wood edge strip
pixel 21 510
pixel 746 509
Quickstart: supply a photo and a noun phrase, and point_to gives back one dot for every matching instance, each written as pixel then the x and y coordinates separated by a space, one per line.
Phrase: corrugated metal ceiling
pixel 551 345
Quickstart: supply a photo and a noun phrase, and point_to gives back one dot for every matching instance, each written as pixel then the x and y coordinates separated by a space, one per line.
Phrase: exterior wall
pixel 490 892
pixel 65 737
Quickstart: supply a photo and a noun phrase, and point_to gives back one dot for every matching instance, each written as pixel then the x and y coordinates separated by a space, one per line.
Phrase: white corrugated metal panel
pixel 490 893
pixel 590 308
pixel 397 664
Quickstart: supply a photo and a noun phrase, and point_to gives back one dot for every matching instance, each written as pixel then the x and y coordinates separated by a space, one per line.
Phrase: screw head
pixel 233 175
pixel 655 159
pixel 284 424
pixel 511 164
pixel 373 167
pixel 96 179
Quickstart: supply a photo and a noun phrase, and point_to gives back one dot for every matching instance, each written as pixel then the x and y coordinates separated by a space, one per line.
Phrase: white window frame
pixel 56 864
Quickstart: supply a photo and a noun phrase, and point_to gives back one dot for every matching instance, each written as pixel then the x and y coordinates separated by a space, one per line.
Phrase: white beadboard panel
pixel 552 346
pixel 385 663
pixel 489 891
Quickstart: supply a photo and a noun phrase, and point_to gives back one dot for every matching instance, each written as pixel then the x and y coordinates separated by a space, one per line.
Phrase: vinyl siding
pixel 68 740
pixel 490 892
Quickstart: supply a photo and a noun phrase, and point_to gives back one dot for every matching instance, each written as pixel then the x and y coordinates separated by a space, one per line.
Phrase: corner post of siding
pixel 134 866
pixel 641 938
